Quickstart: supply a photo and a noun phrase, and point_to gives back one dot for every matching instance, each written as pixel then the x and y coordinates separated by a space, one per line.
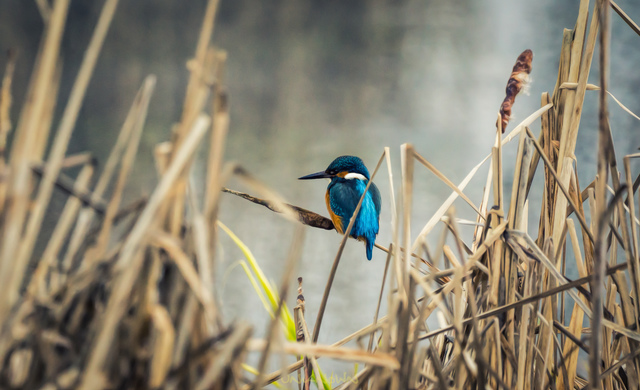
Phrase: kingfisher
pixel 349 178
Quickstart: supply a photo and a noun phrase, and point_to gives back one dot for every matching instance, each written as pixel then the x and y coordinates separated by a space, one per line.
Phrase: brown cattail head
pixel 518 81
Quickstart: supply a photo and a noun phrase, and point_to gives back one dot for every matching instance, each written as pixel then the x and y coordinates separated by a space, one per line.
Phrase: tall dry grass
pixel 123 295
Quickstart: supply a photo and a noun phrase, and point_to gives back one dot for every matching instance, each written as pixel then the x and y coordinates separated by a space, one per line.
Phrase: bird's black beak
pixel 317 175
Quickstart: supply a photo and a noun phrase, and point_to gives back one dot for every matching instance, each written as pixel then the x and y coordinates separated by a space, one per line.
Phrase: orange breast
pixel 337 221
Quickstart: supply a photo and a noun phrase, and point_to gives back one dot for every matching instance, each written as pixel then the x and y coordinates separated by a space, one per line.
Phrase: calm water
pixel 313 81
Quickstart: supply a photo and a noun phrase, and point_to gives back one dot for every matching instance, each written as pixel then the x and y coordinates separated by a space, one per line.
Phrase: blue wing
pixel 343 199
pixel 375 196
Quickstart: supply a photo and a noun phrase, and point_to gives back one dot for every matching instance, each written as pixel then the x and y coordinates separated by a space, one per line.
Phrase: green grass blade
pixel 267 287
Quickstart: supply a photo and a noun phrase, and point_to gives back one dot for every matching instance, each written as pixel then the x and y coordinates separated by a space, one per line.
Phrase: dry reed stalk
pixel 47 115
pixel 407 156
pixel 480 230
pixel 307 339
pixel 523 160
pixel 130 258
pixel 87 215
pixel 495 261
pixel 230 353
pixel 182 261
pixel 219 132
pixel 601 202
pixel 162 345
pixel 202 68
pixel 633 261
pixel 392 196
pixel 356 381
pixel 57 238
pixel 571 122
pixel 126 164
pixel 298 312
pixel 5 120
pixel 6 101
pixel 60 143
pixel 633 25
pixel 592 87
pixel 570 352
pixel 347 354
pixel 16 201
pixel 205 264
pixel 197 70
pixel 556 181
pixel 183 332
pixel 384 278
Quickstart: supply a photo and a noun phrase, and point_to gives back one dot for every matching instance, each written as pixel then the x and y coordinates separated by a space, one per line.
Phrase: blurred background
pixel 312 80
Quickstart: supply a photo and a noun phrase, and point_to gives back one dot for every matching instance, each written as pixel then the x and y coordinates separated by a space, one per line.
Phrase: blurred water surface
pixel 310 81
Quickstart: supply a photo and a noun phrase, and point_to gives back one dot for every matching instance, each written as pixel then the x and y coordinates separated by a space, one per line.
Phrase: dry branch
pixel 305 216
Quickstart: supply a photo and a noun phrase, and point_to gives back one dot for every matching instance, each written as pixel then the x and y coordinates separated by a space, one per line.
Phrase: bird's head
pixel 345 167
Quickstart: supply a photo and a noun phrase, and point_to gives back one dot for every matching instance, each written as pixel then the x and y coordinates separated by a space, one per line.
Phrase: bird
pixel 349 178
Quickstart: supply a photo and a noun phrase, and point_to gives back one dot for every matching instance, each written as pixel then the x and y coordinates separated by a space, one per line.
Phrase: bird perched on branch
pixel 349 178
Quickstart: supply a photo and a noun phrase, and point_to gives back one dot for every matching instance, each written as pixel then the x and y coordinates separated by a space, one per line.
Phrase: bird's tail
pixel 369 244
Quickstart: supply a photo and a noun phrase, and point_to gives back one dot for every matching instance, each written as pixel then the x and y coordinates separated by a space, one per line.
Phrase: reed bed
pixel 123 295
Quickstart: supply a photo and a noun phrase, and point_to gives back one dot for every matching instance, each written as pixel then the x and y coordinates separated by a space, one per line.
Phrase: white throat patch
pixel 353 175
